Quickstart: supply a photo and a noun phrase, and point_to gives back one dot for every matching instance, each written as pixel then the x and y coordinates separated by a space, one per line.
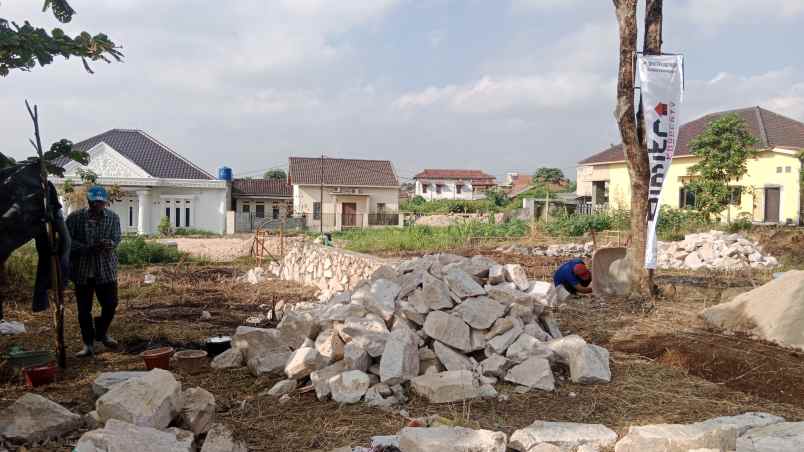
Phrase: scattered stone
pixel 784 436
pixel 152 400
pixel 500 344
pixel 119 436
pixel 589 364
pixel 448 329
pixel 515 273
pixel 451 358
pixel 446 387
pixel 355 357
pixel 479 312
pixel 385 272
pixel 495 366
pixel 400 360
pixel 551 324
pixel 11 328
pixel 462 284
pixel 320 379
pixel 297 326
pixel 487 391
pixel 230 358
pixel 92 420
pixel 496 274
pixel 379 297
pixel 450 439
pixel 282 387
pixel 349 386
pixel 369 332
pixel 329 345
pixel 220 439
pixel 533 373
pixel 533 329
pixel 198 410
pixel 564 435
pixel 303 362
pixel 500 326
pixel 106 380
pixel 435 294
pixel 33 418
pixel 265 350
pixel 528 346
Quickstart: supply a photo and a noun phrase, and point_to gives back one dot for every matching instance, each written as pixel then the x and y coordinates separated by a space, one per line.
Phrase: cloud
pixel 544 5
pixel 716 13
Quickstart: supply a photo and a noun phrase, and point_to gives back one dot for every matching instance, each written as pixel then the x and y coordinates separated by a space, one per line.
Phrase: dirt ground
pixel 216 249
pixel 666 366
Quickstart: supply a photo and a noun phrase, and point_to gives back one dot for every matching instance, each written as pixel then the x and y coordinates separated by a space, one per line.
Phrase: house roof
pixel 769 128
pixel 146 152
pixel 477 177
pixel 262 187
pixel 350 172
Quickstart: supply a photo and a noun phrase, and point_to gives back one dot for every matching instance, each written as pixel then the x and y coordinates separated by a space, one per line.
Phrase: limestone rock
pixel 462 284
pixel 355 357
pixel 527 346
pixel 297 326
pixel 500 344
pixel 228 359
pixel 349 386
pixel 106 380
pixel 496 274
pixel 450 439
pixel 198 410
pixel 500 326
pixel 264 350
pixel 435 294
pixel 677 438
pixel 385 272
pixel 379 297
pixel 446 387
pixel 533 329
pixel 369 332
pixel 220 439
pixel 329 345
pixel 785 436
pixel 450 358
pixel 320 379
pixel 479 312
pixel 515 273
pixel 33 418
pixel 303 362
pixel 119 436
pixel 532 373
pixel 282 387
pixel 565 435
pixel 152 400
pixel 495 366
pixel 510 295
pixel 400 360
pixel 448 329
pixel 550 324
pixel 339 312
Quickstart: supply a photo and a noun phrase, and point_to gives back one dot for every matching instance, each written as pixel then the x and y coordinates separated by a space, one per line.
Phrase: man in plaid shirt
pixel 95 233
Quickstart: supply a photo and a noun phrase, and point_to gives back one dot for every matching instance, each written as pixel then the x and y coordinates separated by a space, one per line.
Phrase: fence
pixel 250 222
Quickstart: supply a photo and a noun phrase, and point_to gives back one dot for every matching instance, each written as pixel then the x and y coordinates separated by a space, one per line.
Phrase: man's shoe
pixel 87 351
pixel 109 342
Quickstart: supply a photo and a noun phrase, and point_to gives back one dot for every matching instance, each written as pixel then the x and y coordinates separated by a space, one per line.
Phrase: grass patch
pixel 21 266
pixel 194 233
pixel 138 251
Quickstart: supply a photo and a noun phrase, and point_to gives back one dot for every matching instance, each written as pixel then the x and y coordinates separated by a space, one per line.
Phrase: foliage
pixel 544 174
pixel 138 251
pixel 165 227
pixel 742 223
pixel 674 224
pixel 21 266
pixel 429 238
pixel 75 196
pixel 421 206
pixel 724 149
pixel 24 46
pixel 574 225
pixel 194 232
pixel 277 174
pixel 497 198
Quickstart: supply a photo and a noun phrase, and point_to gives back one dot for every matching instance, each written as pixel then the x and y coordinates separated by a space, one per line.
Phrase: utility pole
pixel 321 200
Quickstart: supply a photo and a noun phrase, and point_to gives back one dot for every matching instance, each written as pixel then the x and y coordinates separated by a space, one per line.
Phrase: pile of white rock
pixel 748 432
pixel 136 411
pixel 448 327
pixel 713 250
pixel 563 250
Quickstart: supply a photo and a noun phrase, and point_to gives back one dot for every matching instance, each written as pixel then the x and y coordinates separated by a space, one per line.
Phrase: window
pixel 779 169
pixel 787 169
pixel 735 197
pixel 316 211
pixel 259 210
pixel 275 212
pixel 187 217
pixel 438 188
pixel 130 216
pixel 246 208
pixel 424 188
pixel 167 212
pixel 686 198
pixel 178 217
pixel 459 188
pixel 380 207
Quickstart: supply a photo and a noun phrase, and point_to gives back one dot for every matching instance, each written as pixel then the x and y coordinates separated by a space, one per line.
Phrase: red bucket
pixel 157 358
pixel 39 375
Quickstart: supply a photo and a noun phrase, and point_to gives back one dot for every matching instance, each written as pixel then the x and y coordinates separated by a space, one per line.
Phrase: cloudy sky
pixel 503 85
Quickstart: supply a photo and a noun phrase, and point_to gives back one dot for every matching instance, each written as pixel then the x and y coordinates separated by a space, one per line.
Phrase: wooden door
pixel 772 204
pixel 349 214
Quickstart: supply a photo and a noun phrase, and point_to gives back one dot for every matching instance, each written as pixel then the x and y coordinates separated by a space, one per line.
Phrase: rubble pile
pixel 563 250
pixel 446 327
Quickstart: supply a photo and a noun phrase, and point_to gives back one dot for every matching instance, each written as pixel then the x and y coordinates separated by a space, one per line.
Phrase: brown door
pixel 772 205
pixel 349 214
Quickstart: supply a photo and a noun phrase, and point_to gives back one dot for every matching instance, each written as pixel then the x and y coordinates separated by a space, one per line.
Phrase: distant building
pixel 432 184
pixel 258 200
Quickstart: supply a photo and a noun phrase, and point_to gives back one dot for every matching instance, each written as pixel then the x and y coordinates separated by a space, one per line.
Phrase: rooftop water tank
pixel 225 173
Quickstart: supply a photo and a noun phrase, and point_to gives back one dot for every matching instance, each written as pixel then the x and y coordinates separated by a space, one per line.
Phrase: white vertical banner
pixel 661 78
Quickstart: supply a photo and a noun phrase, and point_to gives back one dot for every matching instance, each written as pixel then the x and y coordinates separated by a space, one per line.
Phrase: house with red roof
pixel 432 184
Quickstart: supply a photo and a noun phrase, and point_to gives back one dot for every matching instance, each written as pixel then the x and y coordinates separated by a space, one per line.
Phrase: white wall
pixel 448 190
pixel 366 200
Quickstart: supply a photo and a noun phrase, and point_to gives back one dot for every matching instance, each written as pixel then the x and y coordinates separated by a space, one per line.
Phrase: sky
pixel 502 85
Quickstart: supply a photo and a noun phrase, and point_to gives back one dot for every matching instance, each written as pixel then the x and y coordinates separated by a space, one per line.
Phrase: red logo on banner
pixel 661 109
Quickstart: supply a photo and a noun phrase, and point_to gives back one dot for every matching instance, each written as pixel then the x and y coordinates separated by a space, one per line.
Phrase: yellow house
pixel 770 192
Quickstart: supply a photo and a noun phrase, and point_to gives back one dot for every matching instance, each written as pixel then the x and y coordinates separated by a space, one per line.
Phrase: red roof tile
pixel 265 187
pixel 477 177
pixel 769 128
pixel 349 172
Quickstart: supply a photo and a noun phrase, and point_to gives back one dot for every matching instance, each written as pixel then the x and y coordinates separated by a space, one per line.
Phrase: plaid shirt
pixel 85 262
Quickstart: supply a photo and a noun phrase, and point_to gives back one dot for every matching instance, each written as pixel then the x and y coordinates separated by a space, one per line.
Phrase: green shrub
pixel 195 232
pixel 138 251
pixel 418 205
pixel 674 224
pixel 164 226
pixel 574 224
pixel 742 223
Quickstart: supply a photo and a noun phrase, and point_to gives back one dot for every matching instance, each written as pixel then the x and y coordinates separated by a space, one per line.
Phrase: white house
pixel 255 201
pixel 156 182
pixel 352 194
pixel 432 184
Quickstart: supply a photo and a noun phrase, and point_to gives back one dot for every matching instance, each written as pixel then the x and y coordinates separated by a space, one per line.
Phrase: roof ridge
pixel 763 131
pixel 340 158
pixel 165 147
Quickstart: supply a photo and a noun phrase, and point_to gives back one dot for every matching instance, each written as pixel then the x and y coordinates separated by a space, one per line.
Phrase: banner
pixel 661 78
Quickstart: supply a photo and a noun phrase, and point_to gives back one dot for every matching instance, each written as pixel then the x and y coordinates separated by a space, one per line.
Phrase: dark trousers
pixel 107 298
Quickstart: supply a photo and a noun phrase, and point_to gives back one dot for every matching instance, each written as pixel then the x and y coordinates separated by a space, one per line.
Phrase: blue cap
pixel 97 193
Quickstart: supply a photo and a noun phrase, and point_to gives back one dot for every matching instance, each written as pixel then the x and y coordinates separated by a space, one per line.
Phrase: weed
pixel 138 251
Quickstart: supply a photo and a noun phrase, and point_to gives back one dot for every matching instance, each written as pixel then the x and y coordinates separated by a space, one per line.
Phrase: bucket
pixel 217 345
pixel 20 359
pixel 39 375
pixel 191 361
pixel 157 358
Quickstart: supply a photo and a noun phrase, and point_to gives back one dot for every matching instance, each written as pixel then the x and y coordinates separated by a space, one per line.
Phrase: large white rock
pixel 296 326
pixel 462 284
pixel 152 400
pixel 589 364
pixel 33 418
pixel 448 329
pixel 339 312
pixel 355 357
pixel 198 410
pixel 434 294
pixel 119 436
pixel 378 298
pixel 282 387
pixel 495 366
pixel 515 273
pixel 533 373
pixel 535 330
pixel 446 387
pixel 228 359
pixel 349 386
pixel 782 437
pixel 320 379
pixel 450 439
pixel 220 439
pixel 330 345
pixel 264 350
pixel 499 344
pixel 303 362
pixel 496 274
pixel 400 360
pixel 565 435
pixel 510 295
pixel 370 333
pixel 106 380
pixel 450 358
pixel 479 312
pixel 526 346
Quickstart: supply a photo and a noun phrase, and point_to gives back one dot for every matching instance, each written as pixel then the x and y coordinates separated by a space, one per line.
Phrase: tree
pixel 631 129
pixel 496 197
pixel 724 149
pixel 275 174
pixel 24 46
pixel 548 175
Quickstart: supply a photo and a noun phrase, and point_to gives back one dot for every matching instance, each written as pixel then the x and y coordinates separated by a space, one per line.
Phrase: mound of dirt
pixel 786 244
pixel 774 311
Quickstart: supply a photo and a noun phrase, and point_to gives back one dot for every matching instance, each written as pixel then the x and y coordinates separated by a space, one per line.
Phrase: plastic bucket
pixel 191 361
pixel 218 344
pixel 39 375
pixel 157 358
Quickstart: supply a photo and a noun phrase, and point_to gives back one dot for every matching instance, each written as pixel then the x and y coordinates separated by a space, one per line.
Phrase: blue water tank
pixel 225 173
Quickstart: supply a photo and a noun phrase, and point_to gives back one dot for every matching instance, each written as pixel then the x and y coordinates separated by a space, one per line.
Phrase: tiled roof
pixel 266 187
pixel 146 152
pixel 349 172
pixel 769 128
pixel 476 176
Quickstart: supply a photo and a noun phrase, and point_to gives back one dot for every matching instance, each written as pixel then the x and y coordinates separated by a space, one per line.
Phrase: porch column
pixel 144 212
